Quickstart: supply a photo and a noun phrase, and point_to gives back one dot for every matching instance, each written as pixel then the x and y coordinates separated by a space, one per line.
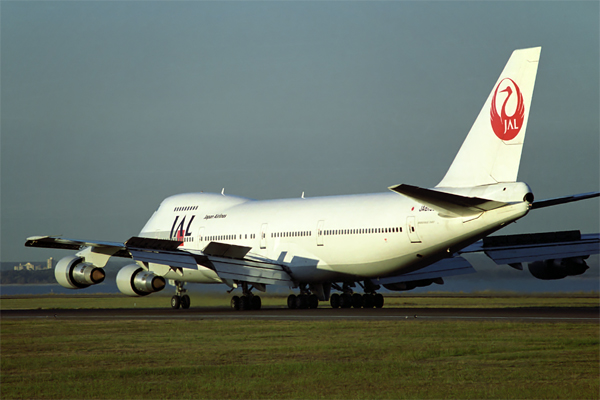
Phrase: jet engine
pixel 72 273
pixel 559 268
pixel 134 280
pixel 400 286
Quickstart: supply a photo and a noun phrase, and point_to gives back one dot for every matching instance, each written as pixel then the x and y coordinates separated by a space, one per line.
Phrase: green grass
pixel 438 300
pixel 288 359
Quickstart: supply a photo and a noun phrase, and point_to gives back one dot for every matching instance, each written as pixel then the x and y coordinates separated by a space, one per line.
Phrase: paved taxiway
pixel 525 314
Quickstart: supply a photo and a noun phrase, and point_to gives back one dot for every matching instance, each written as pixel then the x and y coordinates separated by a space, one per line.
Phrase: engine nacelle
pixel 72 273
pixel 134 280
pixel 400 286
pixel 558 269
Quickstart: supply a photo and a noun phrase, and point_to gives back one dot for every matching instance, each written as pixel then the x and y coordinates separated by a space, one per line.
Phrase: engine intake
pixel 72 273
pixel 134 280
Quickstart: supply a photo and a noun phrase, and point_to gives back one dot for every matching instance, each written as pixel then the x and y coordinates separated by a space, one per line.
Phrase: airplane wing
pixel 527 248
pixel 447 267
pixel 54 242
pixel 228 261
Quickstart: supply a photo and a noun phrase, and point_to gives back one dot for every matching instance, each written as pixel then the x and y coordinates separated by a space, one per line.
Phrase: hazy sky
pixel 108 107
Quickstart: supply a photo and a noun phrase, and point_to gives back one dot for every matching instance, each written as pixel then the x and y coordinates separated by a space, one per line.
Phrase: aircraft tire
pixel 346 300
pixel 185 302
pixel 302 301
pixel 244 303
pixel 334 300
pixel 357 300
pixel 368 301
pixel 313 301
pixel 255 302
pixel 175 302
pixel 378 300
pixel 235 303
pixel 291 301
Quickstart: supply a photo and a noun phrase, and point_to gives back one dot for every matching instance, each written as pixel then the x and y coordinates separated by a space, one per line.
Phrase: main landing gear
pixel 302 301
pixel 356 300
pixel 350 299
pixel 248 300
pixel 180 299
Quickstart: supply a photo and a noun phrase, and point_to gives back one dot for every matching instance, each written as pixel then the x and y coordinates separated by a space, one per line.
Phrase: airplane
pixel 405 238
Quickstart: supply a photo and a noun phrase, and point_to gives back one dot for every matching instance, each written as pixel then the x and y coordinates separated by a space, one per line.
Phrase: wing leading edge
pixel 228 261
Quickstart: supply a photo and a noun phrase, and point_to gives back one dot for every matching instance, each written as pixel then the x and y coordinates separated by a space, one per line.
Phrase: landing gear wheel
pixel 313 301
pixel 368 301
pixel 346 300
pixel 302 301
pixel 357 300
pixel 235 303
pixel 378 300
pixel 244 303
pixel 255 302
pixel 185 302
pixel 291 301
pixel 175 302
pixel 334 300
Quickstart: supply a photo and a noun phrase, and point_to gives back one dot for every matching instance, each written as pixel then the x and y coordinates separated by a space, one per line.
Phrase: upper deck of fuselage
pixel 207 204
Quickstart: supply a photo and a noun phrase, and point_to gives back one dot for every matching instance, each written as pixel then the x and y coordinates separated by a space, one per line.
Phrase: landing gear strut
pixel 248 300
pixel 180 299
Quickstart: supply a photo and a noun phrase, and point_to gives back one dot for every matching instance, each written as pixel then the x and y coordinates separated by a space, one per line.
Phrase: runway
pixel 524 314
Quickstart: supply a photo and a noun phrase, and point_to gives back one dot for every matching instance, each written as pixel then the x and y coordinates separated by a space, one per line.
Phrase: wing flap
pixel 250 271
pixel 448 204
pixel 179 259
pixel 226 250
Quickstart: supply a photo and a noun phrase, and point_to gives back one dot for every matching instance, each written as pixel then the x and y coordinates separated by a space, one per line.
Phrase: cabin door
pixel 411 227
pixel 320 232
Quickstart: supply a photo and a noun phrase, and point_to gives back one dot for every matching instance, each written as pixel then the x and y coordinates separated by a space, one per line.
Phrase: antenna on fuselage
pixel 223 192
pixel 302 194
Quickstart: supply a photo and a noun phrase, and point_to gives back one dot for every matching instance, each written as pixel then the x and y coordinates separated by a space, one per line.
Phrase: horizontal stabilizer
pixel 562 200
pixel 446 267
pixel 448 204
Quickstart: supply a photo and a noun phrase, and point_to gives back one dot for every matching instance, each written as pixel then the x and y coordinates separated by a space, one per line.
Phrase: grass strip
pixel 62 359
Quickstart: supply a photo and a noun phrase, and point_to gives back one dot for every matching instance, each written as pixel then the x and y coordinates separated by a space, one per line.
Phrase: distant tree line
pixel 27 277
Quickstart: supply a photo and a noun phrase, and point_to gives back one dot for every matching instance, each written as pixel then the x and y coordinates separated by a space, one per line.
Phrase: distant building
pixel 24 267
pixel 30 267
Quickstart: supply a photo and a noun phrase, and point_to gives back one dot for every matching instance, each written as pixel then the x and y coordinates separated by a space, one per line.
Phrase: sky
pixel 108 107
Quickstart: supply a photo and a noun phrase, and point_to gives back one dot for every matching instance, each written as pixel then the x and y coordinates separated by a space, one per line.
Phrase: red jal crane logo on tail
pixel 507 127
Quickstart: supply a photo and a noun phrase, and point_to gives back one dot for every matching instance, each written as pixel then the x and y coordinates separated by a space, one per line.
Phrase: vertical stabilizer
pixel 491 153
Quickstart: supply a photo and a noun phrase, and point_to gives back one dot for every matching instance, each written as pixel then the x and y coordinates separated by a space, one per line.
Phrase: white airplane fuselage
pixel 335 238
